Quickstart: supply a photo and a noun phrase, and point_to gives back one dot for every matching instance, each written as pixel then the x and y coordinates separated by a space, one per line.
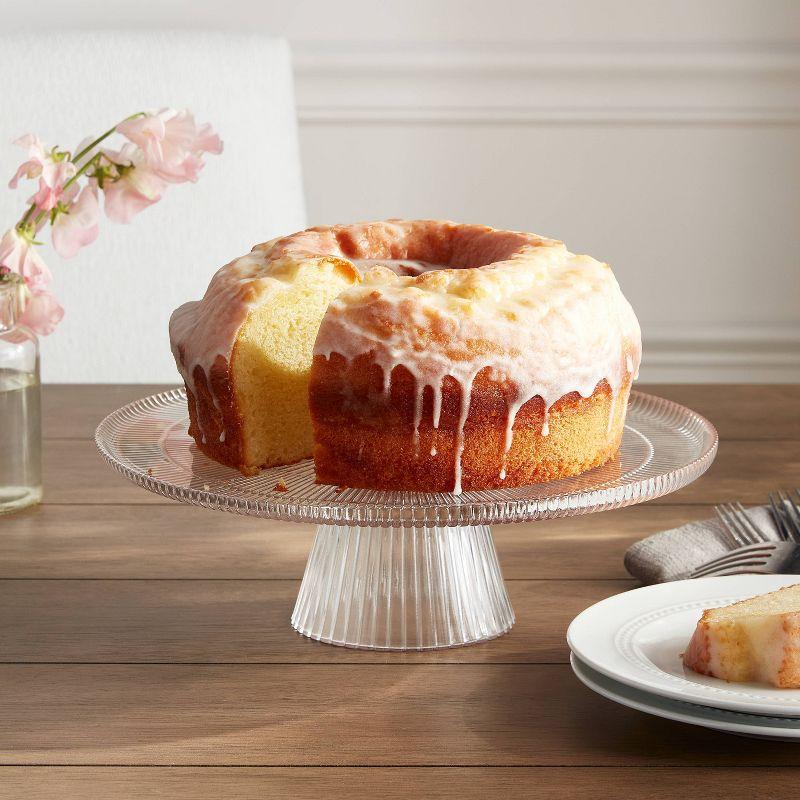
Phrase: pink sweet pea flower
pixel 52 173
pixel 51 185
pixel 32 168
pixel 18 253
pixel 172 142
pixel 137 188
pixel 42 312
pixel 77 227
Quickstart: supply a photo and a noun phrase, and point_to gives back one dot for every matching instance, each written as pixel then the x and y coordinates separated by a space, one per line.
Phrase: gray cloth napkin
pixel 672 555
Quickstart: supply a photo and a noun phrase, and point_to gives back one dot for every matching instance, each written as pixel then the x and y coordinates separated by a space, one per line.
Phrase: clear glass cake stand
pixel 402 570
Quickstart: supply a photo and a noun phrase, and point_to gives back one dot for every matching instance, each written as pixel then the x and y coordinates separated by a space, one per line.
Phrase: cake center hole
pixel 400 266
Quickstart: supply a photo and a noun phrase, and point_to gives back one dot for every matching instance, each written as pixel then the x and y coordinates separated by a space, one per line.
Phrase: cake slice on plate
pixel 752 640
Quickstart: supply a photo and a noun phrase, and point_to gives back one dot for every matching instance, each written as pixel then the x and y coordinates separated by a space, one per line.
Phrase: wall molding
pixel 510 58
pixel 717 353
pixel 565 84
pixel 556 115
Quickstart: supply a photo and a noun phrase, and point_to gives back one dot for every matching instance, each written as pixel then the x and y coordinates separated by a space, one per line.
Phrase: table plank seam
pixel 388 765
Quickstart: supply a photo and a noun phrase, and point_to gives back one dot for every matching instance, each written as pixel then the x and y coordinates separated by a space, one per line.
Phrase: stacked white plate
pixel 628 649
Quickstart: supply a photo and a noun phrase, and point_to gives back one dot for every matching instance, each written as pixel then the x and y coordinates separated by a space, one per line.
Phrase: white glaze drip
pixel 418 398
pixel 387 383
pixel 466 397
pixel 437 404
pixel 513 410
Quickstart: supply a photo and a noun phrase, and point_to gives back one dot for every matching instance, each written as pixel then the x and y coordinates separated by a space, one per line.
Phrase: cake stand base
pixel 402 588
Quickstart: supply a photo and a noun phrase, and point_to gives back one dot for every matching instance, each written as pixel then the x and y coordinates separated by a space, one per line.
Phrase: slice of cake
pixel 245 353
pixel 752 640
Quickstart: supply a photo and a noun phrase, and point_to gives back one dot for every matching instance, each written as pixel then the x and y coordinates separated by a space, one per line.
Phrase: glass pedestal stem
pixel 402 588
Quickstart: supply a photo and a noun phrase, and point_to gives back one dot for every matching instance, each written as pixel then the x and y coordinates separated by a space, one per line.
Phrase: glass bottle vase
pixel 20 406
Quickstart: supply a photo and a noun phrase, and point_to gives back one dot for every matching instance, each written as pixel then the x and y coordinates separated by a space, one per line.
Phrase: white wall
pixel 663 137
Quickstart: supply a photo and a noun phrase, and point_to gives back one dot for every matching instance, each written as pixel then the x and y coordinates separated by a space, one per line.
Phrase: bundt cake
pixel 418 355
pixel 752 640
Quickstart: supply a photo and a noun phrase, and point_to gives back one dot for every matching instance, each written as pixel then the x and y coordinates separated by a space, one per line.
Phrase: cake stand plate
pixel 402 570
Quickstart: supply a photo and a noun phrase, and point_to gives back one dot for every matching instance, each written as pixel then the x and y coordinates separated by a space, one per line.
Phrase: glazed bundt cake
pixel 752 640
pixel 420 355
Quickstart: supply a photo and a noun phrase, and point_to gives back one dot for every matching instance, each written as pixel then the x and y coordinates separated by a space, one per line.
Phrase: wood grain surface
pixel 145 649
pixel 393 783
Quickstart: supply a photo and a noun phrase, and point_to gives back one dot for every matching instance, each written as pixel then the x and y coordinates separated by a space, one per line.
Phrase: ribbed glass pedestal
pixel 402 588
pixel 402 570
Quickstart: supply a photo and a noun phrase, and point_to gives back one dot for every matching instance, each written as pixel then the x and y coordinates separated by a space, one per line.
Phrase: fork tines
pixel 753 549
pixel 740 528
pixel 786 514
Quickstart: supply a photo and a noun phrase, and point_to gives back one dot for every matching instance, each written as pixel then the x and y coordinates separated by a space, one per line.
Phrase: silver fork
pixel 739 528
pixel 786 515
pixel 765 558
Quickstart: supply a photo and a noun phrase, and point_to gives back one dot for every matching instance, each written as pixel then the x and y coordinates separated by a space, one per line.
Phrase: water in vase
pixel 20 440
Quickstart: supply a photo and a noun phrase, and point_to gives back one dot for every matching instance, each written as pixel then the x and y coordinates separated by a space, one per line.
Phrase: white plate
pixel 714 718
pixel 637 638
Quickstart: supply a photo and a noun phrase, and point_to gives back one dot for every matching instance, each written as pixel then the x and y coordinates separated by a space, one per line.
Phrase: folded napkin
pixel 672 555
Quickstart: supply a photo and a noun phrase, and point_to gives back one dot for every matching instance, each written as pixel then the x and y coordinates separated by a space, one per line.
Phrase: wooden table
pixel 146 648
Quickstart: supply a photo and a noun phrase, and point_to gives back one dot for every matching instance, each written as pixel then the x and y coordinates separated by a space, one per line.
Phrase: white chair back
pixel 119 292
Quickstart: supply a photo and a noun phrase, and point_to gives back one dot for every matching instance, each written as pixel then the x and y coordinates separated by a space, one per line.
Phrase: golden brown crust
pixel 216 427
pixel 789 672
pixel 365 439
pixel 698 654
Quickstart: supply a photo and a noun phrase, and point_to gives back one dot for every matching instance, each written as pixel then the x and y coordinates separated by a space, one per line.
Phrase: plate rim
pixel 722 697
pixel 688 713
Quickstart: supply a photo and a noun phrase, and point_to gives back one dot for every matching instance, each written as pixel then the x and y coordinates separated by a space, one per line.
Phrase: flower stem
pixel 27 215
pixel 108 133
pixel 91 162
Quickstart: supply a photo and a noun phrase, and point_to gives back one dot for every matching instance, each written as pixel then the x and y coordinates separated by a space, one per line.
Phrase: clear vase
pixel 20 406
